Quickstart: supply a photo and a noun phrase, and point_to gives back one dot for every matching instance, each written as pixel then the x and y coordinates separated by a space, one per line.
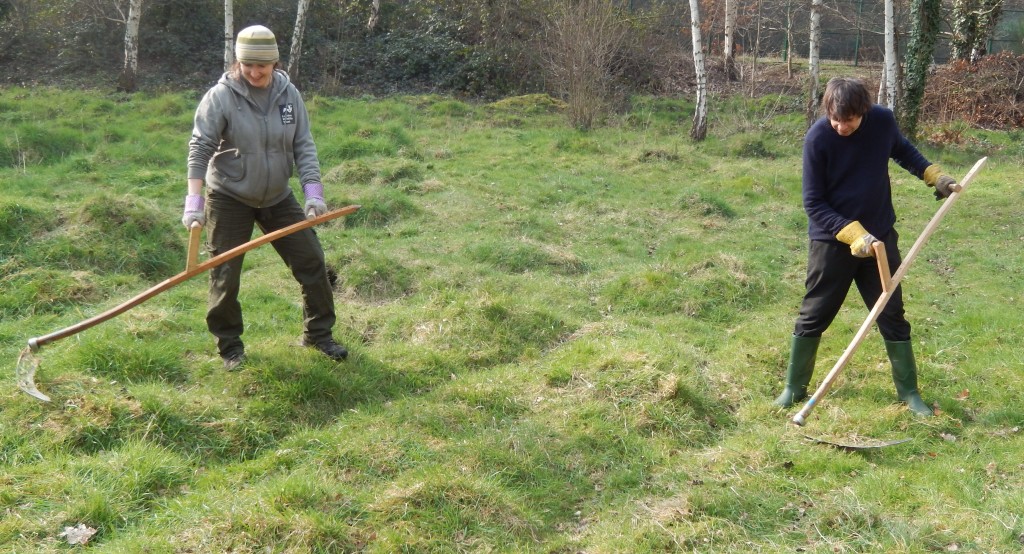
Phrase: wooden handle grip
pixel 882 259
pixel 195 232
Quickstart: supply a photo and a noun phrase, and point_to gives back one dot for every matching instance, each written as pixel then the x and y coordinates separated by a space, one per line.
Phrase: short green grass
pixel 560 342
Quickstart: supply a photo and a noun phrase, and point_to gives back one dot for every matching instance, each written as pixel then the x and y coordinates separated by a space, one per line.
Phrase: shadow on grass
pixel 269 399
pixel 314 393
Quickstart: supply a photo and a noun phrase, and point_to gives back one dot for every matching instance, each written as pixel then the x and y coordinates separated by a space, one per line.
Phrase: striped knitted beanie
pixel 256 44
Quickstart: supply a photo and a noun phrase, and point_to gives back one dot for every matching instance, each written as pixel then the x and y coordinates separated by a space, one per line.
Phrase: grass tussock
pixel 560 341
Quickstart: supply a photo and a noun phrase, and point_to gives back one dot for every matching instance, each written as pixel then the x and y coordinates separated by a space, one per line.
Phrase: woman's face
pixel 258 75
pixel 845 127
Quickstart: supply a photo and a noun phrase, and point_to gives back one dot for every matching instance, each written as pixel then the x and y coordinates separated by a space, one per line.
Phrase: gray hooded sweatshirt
pixel 249 154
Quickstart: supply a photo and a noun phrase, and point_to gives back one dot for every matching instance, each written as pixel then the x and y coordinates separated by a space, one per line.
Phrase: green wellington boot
pixel 801 366
pixel 904 375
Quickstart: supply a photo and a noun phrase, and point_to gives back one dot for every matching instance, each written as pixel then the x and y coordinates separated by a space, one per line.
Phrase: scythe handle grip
pixel 194 235
pixel 882 259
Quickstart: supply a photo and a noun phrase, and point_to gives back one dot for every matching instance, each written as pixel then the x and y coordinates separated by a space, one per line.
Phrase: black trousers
pixel 230 223
pixel 831 269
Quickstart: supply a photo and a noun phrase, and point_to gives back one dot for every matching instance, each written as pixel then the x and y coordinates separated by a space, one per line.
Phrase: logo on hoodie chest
pixel 287 114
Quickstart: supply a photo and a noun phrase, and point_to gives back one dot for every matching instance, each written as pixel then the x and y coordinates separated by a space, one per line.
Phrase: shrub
pixel 581 59
pixel 988 94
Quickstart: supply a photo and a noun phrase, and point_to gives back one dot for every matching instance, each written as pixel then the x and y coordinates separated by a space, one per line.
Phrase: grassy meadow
pixel 561 342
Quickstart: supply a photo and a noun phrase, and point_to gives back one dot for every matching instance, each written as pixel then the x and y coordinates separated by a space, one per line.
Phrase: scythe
pixel 25 369
pixel 801 417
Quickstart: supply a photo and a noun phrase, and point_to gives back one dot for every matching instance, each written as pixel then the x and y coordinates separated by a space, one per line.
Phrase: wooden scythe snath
pixel 26 367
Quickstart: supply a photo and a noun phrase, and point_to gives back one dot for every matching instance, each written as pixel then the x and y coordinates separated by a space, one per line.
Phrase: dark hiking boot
pixel 233 361
pixel 328 348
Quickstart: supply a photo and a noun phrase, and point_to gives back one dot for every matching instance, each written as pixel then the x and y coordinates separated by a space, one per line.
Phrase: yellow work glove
pixel 944 184
pixel 858 238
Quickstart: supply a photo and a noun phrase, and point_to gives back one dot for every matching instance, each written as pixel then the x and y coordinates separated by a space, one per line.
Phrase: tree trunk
pixel 296 51
pixel 728 45
pixel 371 24
pixel 126 82
pixel 756 52
pixel 814 62
pixel 700 117
pixel 229 35
pixel 789 40
pixel 988 19
pixel 972 23
pixel 964 26
pixel 891 62
pixel 925 18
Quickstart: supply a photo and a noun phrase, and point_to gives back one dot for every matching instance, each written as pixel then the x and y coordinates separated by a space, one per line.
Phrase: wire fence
pixel 853 31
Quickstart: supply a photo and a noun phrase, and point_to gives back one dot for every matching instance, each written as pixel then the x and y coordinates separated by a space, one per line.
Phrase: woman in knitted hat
pixel 251 131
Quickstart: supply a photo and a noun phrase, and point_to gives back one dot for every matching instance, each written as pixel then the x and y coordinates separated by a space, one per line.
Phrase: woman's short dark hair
pixel 845 98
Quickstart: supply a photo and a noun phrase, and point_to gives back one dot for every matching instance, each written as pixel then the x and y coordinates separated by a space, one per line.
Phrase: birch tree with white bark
pixel 891 61
pixel 756 50
pixel 371 23
pixel 814 61
pixel 728 43
pixel 300 28
pixel 699 131
pixel 126 82
pixel 229 35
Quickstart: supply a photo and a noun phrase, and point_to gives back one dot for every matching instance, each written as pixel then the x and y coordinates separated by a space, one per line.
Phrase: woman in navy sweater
pixel 848 199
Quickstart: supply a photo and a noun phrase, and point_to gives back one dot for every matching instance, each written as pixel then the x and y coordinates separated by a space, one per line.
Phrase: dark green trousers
pixel 230 223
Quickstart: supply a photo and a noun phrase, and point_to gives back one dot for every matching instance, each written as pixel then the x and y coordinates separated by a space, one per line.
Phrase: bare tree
pixel 300 29
pixel 757 50
pixel 371 24
pixel 728 44
pixel 126 82
pixel 791 11
pixel 814 61
pixel 229 35
pixel 699 131
pixel 891 62
pixel 780 18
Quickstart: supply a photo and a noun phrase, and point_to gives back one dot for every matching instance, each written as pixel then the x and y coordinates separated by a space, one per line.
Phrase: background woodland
pixel 487 50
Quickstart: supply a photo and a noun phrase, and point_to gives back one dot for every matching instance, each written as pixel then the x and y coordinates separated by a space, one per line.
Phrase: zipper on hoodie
pixel 265 134
pixel 271 101
pixel 264 139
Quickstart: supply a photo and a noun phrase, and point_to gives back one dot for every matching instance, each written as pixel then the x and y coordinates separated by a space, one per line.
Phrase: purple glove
pixel 194 204
pixel 314 193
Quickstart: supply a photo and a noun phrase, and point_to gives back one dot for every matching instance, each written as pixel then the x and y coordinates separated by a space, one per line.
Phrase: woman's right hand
pixel 194 211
